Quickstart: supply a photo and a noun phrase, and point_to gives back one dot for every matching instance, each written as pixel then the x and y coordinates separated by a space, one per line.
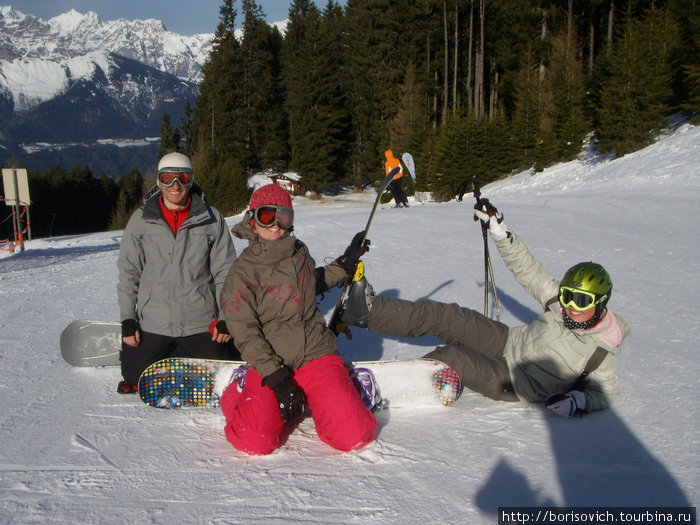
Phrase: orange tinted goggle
pixel 184 179
pixel 266 216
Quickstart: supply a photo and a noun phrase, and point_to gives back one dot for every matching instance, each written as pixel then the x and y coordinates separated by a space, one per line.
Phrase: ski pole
pixel 488 268
pixel 493 286
pixel 335 323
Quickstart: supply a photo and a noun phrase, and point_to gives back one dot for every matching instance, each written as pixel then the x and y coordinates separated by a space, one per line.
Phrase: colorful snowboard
pixel 182 382
pixel 91 343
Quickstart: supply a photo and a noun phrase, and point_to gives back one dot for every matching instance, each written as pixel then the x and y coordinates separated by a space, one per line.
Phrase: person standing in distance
pixel 173 260
pixel 396 184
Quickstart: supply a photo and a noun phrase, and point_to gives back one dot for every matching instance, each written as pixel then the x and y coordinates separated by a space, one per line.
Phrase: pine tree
pixel 687 78
pixel 301 37
pixel 130 197
pixel 218 122
pixel 693 86
pixel 263 101
pixel 187 129
pixel 316 96
pixel 410 117
pixel 533 120
pixel 375 61
pixel 566 72
pixel 169 137
pixel 634 100
pixel 222 180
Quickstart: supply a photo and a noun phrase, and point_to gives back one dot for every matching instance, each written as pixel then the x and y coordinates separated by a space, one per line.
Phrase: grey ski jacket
pixel 269 301
pixel 170 283
pixel 545 356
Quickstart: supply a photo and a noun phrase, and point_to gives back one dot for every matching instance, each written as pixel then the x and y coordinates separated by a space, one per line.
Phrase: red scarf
pixel 175 218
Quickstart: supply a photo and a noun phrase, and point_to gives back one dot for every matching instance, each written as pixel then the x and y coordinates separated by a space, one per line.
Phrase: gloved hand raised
pixel 489 215
pixel 290 398
pixel 566 404
pixel 353 253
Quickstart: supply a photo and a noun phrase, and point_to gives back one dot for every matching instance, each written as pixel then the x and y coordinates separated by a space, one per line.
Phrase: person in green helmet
pixel 567 358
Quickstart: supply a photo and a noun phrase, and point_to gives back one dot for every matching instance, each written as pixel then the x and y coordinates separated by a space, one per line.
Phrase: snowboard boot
pixel 366 385
pixel 358 304
pixel 237 376
pixel 124 387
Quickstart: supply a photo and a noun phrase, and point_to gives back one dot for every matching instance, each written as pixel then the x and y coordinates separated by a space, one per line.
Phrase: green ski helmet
pixel 592 278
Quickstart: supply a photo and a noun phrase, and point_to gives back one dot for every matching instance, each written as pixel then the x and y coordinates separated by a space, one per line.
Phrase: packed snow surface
pixel 74 451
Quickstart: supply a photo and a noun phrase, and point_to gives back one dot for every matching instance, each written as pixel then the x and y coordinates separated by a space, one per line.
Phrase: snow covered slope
pixel 75 451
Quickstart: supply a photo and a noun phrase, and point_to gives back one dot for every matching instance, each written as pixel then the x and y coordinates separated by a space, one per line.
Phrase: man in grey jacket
pixel 566 358
pixel 173 260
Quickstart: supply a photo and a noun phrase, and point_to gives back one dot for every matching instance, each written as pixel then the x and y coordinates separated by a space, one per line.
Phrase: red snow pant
pixel 254 424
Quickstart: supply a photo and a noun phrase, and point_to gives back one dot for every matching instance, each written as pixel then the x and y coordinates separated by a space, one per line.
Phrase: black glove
pixel 130 327
pixel 290 397
pixel 222 328
pixel 353 253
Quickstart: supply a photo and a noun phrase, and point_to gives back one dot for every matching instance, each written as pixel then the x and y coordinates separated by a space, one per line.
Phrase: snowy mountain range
pixel 76 79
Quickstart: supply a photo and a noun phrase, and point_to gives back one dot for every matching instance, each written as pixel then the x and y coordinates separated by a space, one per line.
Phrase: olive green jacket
pixel 269 302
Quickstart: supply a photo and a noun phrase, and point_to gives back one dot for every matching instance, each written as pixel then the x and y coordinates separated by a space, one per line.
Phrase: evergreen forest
pixel 468 87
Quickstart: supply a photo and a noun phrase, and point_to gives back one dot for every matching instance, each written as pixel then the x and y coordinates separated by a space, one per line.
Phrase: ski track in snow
pixel 75 451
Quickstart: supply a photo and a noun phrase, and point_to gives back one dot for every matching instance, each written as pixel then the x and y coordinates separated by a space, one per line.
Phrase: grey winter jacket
pixel 170 283
pixel 269 301
pixel 545 355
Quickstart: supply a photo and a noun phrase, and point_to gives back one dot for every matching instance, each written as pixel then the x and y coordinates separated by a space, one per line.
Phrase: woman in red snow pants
pixel 254 424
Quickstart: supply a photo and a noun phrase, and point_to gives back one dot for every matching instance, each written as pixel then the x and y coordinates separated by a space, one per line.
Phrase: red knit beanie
pixel 270 194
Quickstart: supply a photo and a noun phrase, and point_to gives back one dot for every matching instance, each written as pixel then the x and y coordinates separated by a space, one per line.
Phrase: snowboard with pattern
pixel 91 343
pixel 199 383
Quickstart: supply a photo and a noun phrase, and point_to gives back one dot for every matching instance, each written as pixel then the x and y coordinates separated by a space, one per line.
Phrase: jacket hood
pixel 242 230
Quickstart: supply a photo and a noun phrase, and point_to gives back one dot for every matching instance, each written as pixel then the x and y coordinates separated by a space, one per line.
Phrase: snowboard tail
pixel 413 382
pixel 91 343
pixel 199 383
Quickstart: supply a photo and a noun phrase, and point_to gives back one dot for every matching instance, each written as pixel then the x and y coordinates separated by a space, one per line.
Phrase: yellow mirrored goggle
pixel 578 299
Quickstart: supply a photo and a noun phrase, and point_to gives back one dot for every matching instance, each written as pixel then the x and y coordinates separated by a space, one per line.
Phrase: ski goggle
pixel 578 299
pixel 168 178
pixel 267 216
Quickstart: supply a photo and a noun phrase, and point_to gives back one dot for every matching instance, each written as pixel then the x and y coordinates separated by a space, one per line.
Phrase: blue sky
pixel 186 17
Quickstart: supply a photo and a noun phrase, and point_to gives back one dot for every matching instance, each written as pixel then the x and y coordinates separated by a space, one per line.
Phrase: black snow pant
pixel 397 190
pixel 154 347
pixel 474 342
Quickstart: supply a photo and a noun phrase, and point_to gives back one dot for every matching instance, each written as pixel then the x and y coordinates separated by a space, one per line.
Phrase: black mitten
pixel 357 248
pixel 222 328
pixel 130 327
pixel 289 396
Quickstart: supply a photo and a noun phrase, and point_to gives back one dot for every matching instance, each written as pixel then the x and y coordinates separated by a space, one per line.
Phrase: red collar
pixel 175 218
